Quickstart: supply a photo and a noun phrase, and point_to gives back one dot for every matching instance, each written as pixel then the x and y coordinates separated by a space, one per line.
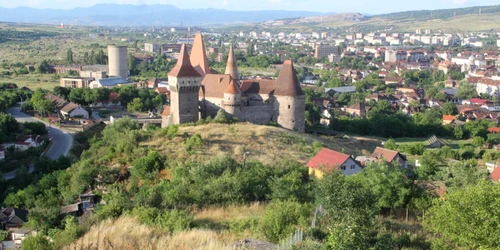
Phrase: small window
pixel 343 167
pixel 353 167
pixel 288 106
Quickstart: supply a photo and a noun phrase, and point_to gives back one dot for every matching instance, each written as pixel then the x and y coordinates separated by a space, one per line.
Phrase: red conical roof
pixel 231 67
pixel 287 83
pixel 198 56
pixel 232 88
pixel 183 68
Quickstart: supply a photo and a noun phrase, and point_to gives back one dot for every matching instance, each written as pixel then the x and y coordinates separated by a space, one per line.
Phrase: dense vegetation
pixel 164 190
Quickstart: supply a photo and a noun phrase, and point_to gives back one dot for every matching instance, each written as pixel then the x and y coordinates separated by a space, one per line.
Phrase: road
pixel 61 140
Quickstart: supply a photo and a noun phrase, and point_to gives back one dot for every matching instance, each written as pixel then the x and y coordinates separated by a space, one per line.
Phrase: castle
pixel 196 91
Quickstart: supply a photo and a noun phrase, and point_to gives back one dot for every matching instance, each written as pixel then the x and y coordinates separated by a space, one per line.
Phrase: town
pixel 248 137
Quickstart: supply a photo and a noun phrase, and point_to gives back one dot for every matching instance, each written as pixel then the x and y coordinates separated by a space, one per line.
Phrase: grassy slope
pixel 470 22
pixel 265 143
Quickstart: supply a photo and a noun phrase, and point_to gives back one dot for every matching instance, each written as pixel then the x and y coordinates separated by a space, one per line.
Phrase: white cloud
pixel 459 2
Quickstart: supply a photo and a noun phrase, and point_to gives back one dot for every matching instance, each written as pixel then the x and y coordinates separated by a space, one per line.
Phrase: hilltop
pixel 480 18
pixel 266 144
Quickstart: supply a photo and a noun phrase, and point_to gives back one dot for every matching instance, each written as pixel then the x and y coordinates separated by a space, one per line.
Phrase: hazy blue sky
pixel 363 6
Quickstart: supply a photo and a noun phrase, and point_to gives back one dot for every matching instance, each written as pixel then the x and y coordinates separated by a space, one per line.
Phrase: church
pixel 197 91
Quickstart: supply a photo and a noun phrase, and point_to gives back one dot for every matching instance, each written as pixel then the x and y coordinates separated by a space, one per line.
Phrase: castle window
pixel 288 106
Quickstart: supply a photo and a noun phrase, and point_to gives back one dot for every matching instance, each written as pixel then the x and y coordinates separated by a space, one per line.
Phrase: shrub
pixel 193 142
pixel 282 217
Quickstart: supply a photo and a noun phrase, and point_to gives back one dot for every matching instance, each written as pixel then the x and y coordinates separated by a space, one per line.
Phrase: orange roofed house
pixel 390 156
pixel 196 91
pixel 327 161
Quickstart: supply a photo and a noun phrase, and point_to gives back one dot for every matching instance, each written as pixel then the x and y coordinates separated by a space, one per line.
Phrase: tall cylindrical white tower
pixel 117 61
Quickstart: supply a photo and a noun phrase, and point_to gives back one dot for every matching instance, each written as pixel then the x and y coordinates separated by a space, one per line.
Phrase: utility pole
pixel 245 155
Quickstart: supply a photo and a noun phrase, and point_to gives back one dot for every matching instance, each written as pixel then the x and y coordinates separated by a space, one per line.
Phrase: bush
pixel 412 149
pixel 282 218
pixel 172 220
pixel 193 142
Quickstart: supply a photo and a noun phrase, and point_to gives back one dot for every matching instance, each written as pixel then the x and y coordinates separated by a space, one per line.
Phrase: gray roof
pixel 345 89
pixel 112 81
pixel 450 91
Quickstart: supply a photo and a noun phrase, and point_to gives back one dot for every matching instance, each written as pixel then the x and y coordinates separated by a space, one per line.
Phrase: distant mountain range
pixel 143 15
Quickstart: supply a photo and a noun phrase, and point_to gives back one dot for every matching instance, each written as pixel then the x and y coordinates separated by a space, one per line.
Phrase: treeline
pixel 15 35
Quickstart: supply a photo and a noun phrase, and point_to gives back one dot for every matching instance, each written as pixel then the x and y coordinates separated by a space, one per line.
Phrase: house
pixel 74 110
pixel 356 110
pixel 19 235
pixel 344 89
pixel 12 218
pixel 495 175
pixel 494 130
pixel 327 161
pixel 390 156
pixel 448 119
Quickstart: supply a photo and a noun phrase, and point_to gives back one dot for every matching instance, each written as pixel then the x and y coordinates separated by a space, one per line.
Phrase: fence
pixel 294 238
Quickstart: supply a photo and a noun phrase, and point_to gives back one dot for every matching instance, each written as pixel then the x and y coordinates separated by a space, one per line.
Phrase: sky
pixel 362 6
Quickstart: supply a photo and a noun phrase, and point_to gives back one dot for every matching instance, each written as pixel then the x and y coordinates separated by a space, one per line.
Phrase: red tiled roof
pixel 261 86
pixel 494 130
pixel 162 90
pixel 478 101
pixel 495 175
pixel 198 55
pixel 183 68
pixel 214 85
pixel 166 111
pixel 287 83
pixel 327 160
pixel 448 117
pixel 232 88
pixel 231 67
pixel 386 154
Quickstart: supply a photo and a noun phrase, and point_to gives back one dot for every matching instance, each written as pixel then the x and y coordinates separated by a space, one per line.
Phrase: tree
pixel 282 217
pixel 148 166
pixel 350 208
pixel 38 242
pixel 390 144
pixel 69 56
pixel 458 132
pixel 468 217
pixel 42 67
pixel 449 109
pixel 135 105
pixel 388 183
pixel 62 92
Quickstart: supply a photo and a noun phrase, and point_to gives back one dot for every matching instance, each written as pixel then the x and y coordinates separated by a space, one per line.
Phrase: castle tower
pixel 198 56
pixel 290 99
pixel 184 84
pixel 231 67
pixel 232 99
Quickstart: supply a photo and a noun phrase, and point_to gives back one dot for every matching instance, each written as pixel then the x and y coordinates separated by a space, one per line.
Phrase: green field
pixel 33 80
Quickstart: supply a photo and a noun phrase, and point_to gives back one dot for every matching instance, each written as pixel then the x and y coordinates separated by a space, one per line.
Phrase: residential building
pixel 390 156
pixel 75 82
pixel 321 51
pixel 12 218
pixel 327 161
pixel 110 82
